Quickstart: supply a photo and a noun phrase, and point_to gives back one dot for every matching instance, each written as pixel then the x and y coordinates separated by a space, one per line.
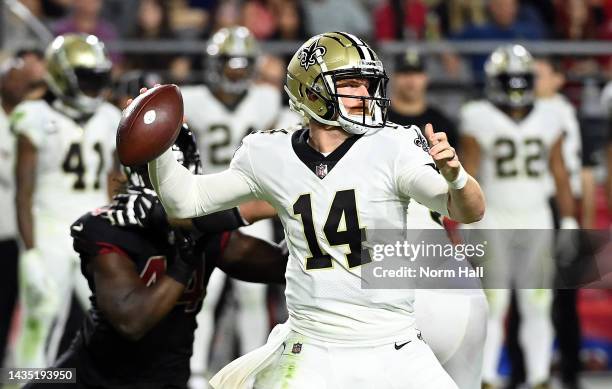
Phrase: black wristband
pixel 180 271
pixel 214 223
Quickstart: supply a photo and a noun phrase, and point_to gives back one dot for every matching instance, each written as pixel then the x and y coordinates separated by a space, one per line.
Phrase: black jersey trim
pixel 314 159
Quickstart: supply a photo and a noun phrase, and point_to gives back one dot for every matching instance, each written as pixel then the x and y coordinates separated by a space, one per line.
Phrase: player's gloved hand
pixel 139 207
pixel 39 291
pixel 568 241
pixel 186 259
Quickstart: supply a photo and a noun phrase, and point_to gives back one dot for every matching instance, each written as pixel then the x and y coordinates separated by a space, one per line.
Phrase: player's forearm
pixel 142 308
pixel 466 205
pixel 185 195
pixel 564 196
pixel 25 222
pixel 254 260
pixel 587 202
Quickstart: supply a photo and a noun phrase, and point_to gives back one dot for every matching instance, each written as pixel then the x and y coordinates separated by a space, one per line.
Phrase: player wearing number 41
pixel 346 173
pixel 65 149
pixel 221 112
pixel 514 146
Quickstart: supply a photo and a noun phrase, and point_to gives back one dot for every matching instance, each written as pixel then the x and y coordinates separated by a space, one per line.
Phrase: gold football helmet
pixel 230 60
pixel 510 77
pixel 314 71
pixel 78 70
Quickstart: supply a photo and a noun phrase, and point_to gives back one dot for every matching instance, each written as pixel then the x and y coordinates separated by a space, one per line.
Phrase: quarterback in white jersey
pixel 65 152
pixel 221 113
pixel 330 183
pixel 515 147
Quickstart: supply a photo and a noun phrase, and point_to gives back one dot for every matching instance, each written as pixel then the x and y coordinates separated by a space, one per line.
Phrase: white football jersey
pixel 327 205
pixel 514 167
pixel 8 222
pixel 73 158
pixel 572 142
pixel 219 129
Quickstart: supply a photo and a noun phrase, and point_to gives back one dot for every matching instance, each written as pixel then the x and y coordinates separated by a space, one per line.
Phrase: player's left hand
pixel 137 208
pixel 442 153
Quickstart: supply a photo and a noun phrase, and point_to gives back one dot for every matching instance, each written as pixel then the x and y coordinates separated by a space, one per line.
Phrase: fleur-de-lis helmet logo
pixel 308 54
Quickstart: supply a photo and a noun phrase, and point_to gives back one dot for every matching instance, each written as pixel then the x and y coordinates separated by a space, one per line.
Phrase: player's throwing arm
pixel 466 202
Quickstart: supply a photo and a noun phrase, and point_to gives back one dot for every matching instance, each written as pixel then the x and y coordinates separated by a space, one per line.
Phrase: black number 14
pixel 344 204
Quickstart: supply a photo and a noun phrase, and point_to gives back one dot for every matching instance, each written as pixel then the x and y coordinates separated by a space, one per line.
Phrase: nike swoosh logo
pixel 398 346
pixel 78 227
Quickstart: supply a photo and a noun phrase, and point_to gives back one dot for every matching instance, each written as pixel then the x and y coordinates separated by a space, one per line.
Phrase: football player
pixel 345 174
pixel 222 112
pixel 459 348
pixel 65 149
pixel 514 145
pixel 148 279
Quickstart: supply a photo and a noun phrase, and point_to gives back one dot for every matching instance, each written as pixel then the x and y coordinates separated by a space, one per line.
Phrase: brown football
pixel 150 125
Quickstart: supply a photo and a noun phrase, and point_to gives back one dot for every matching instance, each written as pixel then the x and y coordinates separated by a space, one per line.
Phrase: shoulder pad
pixel 92 232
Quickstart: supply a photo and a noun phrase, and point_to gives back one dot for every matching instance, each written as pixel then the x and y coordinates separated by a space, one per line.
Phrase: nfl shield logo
pixel 297 348
pixel 321 170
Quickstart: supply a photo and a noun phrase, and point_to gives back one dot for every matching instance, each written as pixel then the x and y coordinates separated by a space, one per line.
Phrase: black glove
pixel 186 259
pixel 139 207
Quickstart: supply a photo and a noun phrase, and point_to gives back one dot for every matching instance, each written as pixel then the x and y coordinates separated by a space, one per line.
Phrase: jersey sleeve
pixel 193 101
pixel 243 165
pixel 468 120
pixel 113 117
pixel 416 176
pixel 270 100
pixel 185 195
pixel 28 119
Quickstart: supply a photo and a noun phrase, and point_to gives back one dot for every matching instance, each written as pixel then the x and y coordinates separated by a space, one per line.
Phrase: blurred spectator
pixel 503 25
pixel 152 23
pixel 456 15
pixel 34 63
pixel 15 31
pixel 17 77
pixel 290 16
pixel 409 103
pixel 258 17
pixel 400 19
pixel 227 14
pixel 578 20
pixel 56 9
pixel 337 15
pixel 85 18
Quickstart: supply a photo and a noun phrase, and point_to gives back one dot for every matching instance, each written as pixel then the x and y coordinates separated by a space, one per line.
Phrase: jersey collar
pixel 316 162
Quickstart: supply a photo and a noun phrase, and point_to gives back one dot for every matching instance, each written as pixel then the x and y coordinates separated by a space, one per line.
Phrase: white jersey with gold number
pixel 219 129
pixel 73 158
pixel 328 206
pixel 514 166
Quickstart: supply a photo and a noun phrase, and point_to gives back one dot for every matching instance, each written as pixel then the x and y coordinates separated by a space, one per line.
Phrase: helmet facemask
pixel 79 70
pixel 510 77
pixel 218 67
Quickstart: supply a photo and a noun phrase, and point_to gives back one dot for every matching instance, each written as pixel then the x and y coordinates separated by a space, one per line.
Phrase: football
pixel 149 125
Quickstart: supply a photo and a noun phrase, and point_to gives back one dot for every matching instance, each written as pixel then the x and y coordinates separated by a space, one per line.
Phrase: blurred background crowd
pixel 166 39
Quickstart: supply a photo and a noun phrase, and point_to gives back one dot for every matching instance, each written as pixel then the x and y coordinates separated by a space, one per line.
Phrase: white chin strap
pixel 351 127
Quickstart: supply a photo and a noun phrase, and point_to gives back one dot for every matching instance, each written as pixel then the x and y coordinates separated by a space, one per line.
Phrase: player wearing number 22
pixel 65 151
pixel 347 172
pixel 513 143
